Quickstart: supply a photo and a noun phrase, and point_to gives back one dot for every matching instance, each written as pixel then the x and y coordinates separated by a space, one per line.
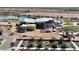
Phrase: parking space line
pixel 19 45
pixel 75 45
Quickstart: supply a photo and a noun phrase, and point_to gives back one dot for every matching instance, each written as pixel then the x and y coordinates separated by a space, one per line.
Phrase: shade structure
pixel 39 20
pixel 34 20
pixel 42 19
pixel 57 20
pixel 28 20
pixel 25 25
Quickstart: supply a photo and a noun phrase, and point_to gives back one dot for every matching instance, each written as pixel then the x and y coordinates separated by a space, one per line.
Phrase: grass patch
pixel 72 28
pixel 68 23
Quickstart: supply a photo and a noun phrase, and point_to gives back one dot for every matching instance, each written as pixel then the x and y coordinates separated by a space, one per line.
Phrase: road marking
pixel 19 45
pixel 74 45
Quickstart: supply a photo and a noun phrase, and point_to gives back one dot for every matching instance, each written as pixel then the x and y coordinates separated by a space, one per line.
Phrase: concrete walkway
pixel 6 45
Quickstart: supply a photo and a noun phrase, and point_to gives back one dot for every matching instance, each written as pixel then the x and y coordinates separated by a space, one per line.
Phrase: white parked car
pixel 76 33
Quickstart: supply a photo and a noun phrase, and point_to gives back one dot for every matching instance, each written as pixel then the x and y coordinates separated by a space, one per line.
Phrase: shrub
pixel 64 45
pixel 30 45
pixel 54 44
pixel 68 23
pixel 72 28
pixel 60 41
pixel 30 28
pixel 39 45
pixel 32 39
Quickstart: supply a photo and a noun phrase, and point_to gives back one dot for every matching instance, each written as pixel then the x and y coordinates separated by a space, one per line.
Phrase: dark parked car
pixel 21 30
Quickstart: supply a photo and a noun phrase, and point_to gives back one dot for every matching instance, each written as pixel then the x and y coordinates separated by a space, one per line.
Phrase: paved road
pixel 6 45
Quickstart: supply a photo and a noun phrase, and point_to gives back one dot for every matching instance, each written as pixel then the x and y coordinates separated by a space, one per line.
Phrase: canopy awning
pixel 29 20
pixel 42 19
pixel 35 20
pixel 39 20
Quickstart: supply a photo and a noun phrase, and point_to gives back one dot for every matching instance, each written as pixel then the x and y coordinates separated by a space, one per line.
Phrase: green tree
pixel 60 41
pixel 39 45
pixel 40 42
pixel 54 44
pixel 64 45
pixel 30 44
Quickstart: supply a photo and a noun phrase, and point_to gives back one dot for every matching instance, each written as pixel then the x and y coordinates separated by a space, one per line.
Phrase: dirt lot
pixel 35 33
pixel 54 14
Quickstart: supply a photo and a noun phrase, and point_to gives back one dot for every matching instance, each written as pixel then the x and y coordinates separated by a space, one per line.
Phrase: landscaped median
pixel 41 45
pixel 68 23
